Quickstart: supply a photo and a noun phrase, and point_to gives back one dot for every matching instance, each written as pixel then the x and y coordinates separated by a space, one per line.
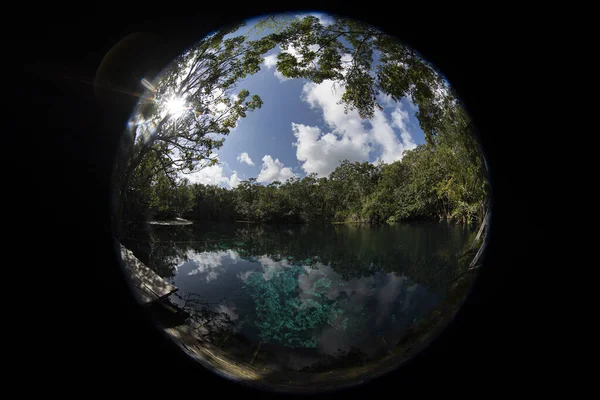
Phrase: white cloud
pixel 400 118
pixel 324 19
pixel 270 61
pixel 273 170
pixel 245 158
pixel 385 100
pixel 384 136
pixel 281 77
pixel 234 180
pixel 346 61
pixel 213 175
pixel 321 152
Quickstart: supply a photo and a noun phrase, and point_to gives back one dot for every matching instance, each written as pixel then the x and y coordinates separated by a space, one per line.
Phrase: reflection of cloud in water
pixel 243 275
pixel 234 255
pixel 269 265
pixel 229 311
pixel 378 304
pixel 371 301
pixel 356 290
pixel 208 262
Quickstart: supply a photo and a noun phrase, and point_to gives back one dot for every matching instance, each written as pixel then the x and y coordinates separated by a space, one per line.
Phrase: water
pixel 314 297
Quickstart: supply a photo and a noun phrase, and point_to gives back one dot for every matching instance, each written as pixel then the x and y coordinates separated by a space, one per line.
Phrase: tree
pixel 385 200
pixel 192 106
pixel 363 60
pixel 246 199
pixel 353 183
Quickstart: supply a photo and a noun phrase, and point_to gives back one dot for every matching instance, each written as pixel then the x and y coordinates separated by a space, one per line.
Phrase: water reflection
pixel 310 298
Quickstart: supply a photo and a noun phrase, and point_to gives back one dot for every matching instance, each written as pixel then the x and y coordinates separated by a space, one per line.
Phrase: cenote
pixel 311 298
pixel 266 198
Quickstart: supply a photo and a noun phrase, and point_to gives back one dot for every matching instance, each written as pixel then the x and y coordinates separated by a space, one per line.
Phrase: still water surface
pixel 312 296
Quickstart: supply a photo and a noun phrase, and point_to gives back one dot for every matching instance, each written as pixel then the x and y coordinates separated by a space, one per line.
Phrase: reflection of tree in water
pixel 163 258
pixel 210 324
pixel 282 317
pixel 161 248
pixel 352 253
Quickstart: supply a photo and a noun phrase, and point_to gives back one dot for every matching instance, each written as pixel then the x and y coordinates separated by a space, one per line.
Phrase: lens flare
pixel 176 106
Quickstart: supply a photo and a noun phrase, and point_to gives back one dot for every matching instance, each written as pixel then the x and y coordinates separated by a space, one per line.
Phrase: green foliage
pixel 211 202
pixel 377 62
pixel 204 78
pixel 156 192
pixel 281 316
pixel 431 182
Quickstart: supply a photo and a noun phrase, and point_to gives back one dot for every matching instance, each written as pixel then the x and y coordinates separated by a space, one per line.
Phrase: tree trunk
pixel 481 228
pixel 123 174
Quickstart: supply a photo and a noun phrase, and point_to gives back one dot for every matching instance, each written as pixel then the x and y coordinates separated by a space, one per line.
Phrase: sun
pixel 176 106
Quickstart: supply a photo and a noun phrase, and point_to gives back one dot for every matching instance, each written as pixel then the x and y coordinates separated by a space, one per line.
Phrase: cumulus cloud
pixel 245 158
pixel 385 137
pixel 322 153
pixel 213 175
pixel 400 118
pixel 350 137
pixel 234 180
pixel 385 100
pixel 270 61
pixel 273 170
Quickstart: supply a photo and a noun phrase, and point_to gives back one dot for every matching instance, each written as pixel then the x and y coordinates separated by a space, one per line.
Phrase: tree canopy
pixel 363 60
pixel 189 109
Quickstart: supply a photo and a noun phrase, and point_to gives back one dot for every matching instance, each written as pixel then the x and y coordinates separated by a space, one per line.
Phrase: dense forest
pixel 431 182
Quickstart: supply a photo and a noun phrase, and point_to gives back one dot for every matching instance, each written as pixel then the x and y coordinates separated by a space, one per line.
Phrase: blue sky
pixel 300 129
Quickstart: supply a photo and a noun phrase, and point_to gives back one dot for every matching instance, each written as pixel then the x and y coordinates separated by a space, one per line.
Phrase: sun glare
pixel 176 106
